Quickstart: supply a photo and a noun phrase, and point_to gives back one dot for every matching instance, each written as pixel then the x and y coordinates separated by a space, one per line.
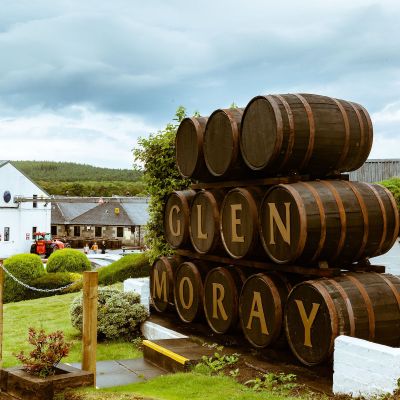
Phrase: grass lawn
pixel 184 386
pixel 51 314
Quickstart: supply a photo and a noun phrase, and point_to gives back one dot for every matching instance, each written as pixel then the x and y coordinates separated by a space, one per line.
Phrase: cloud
pixel 76 134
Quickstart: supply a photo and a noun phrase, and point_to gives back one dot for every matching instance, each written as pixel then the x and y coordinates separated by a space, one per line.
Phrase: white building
pixel 18 220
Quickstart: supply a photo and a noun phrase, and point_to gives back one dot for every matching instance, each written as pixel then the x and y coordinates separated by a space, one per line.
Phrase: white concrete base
pixel 141 286
pixel 152 331
pixel 363 368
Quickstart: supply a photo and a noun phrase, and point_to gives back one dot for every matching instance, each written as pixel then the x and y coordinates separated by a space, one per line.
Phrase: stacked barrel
pixel 272 209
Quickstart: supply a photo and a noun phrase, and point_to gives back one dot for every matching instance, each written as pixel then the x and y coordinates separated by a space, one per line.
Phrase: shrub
pixel 55 280
pixel 393 184
pixel 47 353
pixel 129 266
pixel 119 314
pixel 68 260
pixel 25 267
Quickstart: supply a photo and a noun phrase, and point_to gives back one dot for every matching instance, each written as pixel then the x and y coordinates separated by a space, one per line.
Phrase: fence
pixel 376 170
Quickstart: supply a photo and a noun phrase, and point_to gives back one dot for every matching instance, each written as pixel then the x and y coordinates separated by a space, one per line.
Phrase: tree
pixel 157 154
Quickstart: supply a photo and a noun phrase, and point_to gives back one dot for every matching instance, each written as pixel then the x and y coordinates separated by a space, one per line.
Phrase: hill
pixel 52 171
pixel 72 179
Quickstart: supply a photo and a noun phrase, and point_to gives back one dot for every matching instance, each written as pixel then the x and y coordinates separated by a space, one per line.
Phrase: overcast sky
pixel 82 80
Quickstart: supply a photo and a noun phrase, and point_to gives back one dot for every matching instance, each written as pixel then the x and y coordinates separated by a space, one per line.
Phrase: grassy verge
pixel 51 314
pixel 182 386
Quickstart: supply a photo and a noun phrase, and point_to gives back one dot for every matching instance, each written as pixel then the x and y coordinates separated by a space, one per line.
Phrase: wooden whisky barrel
pixel 221 298
pixel 189 290
pixel 239 222
pixel 261 306
pixel 176 218
pixel 189 148
pixel 307 133
pixel 362 305
pixel 204 221
pixel 162 282
pixel 335 221
pixel 221 143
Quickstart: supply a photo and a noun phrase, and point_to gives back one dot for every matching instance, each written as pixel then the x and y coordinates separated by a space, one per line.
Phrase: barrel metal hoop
pixel 347 302
pixel 364 212
pixel 368 304
pixel 392 288
pixel 396 216
pixel 303 219
pixel 332 312
pixel 322 215
pixel 345 150
pixel 291 138
pixel 362 137
pixel 384 219
pixel 311 124
pixel 342 217
pixel 279 127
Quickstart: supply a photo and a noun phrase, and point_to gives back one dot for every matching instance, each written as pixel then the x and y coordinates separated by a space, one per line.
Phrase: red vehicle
pixel 45 245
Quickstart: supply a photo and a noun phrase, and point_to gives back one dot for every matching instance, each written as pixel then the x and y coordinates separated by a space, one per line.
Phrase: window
pixel 77 231
pixel 120 231
pixel 34 204
pixel 133 229
pixel 34 230
pixel 6 233
pixel 54 230
pixel 97 231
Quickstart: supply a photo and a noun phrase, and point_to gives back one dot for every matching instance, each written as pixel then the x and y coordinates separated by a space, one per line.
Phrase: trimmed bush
pixel 68 260
pixel 393 184
pixel 55 280
pixel 25 267
pixel 129 266
pixel 119 314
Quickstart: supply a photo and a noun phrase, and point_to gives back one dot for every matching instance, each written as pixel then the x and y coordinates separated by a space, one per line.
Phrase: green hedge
pixel 68 260
pixel 25 267
pixel 55 280
pixel 393 184
pixel 129 266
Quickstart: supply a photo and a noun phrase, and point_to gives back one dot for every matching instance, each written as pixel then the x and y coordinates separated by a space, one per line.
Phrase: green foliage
pixel 93 188
pixel 55 280
pixel 68 260
pixel 279 383
pixel 129 266
pixel 216 363
pixel 51 171
pixel 393 184
pixel 157 154
pixel 119 314
pixel 25 267
pixel 233 105
pixel 47 352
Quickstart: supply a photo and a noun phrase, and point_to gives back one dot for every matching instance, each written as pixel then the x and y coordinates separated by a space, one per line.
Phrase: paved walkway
pixel 123 372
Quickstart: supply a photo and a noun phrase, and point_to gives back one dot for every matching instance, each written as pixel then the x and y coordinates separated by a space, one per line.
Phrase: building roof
pixel 3 162
pixel 131 211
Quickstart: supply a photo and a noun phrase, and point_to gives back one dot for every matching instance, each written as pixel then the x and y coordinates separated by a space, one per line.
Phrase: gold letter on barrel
pixel 235 222
pixel 200 234
pixel 307 321
pixel 257 311
pixel 160 288
pixel 189 304
pixel 174 232
pixel 217 301
pixel 274 216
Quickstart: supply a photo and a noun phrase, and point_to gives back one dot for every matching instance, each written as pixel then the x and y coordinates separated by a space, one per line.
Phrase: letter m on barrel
pixel 276 220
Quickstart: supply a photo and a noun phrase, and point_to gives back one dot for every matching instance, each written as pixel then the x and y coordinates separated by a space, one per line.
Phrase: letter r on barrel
pixel 218 295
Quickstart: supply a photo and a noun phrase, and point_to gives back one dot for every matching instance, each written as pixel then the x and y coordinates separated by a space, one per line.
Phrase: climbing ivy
pixel 157 155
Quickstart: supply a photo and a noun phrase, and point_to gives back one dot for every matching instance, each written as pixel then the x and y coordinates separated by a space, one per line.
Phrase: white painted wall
pixel 22 217
pixel 363 368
